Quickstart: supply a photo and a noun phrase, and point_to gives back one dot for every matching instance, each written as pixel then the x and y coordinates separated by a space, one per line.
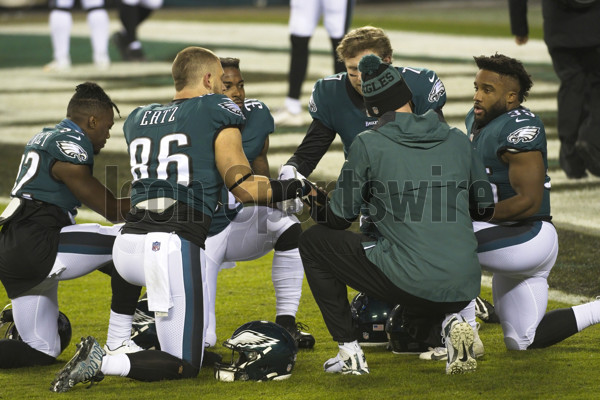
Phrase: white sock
pixel 287 274
pixel 587 314
pixel 99 32
pixel 468 313
pixel 60 22
pixel 350 347
pixel 117 365
pixel 119 329
pixel 449 317
pixel 293 105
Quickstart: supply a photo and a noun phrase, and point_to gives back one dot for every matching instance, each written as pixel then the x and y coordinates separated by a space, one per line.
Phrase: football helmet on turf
pixel 400 341
pixel 64 327
pixel 266 351
pixel 143 328
pixel 369 316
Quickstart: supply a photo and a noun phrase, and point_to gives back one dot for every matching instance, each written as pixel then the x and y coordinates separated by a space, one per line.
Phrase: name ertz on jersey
pixel 154 117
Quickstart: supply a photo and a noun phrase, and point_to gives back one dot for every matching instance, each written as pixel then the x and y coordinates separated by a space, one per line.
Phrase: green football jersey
pixel 66 142
pixel 518 130
pixel 171 149
pixel 259 124
pixel 339 107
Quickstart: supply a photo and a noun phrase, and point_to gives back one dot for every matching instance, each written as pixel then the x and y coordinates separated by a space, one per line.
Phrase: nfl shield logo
pixel 155 246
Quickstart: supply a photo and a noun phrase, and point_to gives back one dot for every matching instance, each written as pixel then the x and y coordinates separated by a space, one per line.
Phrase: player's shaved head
pixel 514 75
pixel 191 65
pixel 365 38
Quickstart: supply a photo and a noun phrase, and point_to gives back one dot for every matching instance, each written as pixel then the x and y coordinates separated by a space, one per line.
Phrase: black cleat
pixel 304 340
pixel 119 41
pixel 484 310
pixel 211 358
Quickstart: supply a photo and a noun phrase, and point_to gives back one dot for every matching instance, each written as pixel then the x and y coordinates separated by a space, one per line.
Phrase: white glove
pixel 291 206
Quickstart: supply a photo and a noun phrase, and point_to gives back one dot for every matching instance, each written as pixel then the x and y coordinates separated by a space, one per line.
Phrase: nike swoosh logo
pixel 75 137
pixel 521 120
pixel 435 357
pixel 432 79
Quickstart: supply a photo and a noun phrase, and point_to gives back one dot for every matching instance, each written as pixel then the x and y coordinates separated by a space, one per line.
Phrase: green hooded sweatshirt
pixel 415 174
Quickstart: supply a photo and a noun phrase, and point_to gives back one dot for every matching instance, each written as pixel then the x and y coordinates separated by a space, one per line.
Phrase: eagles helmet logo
pixel 231 107
pixel 252 338
pixel 437 91
pixel 72 150
pixel 525 134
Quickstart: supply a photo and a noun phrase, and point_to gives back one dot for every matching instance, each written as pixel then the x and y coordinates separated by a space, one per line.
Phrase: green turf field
pixel 30 100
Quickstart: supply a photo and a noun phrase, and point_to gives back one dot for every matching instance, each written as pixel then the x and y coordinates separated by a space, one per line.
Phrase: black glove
pixel 320 199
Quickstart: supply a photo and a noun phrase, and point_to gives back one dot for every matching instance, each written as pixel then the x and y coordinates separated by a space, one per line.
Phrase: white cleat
pixel 58 66
pixel 441 354
pixel 459 337
pixel 347 364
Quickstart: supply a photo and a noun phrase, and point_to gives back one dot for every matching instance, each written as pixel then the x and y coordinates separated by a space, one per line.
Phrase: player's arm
pixel 260 165
pixel 315 144
pixel 237 174
pixel 90 191
pixel 481 194
pixel 526 173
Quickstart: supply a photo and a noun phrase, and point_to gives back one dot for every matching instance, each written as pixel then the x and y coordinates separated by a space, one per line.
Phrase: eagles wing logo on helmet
pixel 72 150
pixel 266 351
pixel 437 91
pixel 525 134
pixel 252 338
pixel 231 107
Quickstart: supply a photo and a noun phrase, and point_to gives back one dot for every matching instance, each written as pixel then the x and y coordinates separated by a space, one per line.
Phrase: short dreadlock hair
pixel 89 98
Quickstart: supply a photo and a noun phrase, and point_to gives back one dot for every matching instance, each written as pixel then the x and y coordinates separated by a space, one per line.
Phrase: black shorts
pixel 28 246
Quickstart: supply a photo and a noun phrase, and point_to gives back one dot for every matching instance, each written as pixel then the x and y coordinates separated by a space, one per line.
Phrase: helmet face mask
pixel 400 339
pixel 369 316
pixel 265 351
pixel 143 328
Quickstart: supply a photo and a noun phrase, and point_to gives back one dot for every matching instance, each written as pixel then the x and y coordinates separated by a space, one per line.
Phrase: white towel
pixel 156 270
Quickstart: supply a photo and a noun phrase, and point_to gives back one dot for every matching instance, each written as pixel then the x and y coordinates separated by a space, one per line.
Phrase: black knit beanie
pixel 383 87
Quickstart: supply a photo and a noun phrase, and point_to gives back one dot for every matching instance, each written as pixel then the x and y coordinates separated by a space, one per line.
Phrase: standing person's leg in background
pixel 132 13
